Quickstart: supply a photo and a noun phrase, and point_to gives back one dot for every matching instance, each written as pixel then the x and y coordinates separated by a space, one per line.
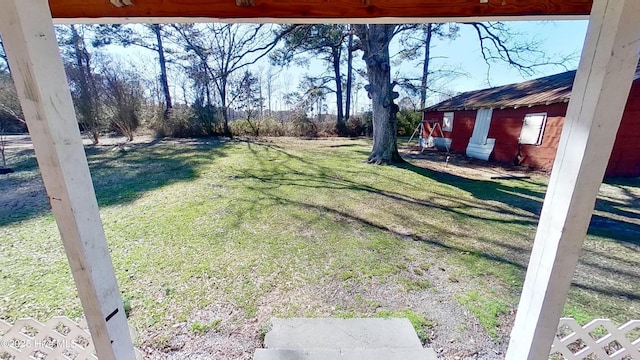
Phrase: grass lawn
pixel 218 237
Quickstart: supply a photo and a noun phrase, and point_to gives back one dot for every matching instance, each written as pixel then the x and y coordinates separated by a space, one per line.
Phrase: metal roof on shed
pixel 543 91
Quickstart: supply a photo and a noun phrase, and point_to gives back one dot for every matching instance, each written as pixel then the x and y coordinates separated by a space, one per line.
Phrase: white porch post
pixel 599 95
pixel 27 31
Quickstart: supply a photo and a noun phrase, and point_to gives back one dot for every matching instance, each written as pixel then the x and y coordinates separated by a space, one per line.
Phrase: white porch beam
pixel 29 38
pixel 600 91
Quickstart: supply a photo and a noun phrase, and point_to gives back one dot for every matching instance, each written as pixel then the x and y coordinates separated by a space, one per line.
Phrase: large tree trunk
pixel 425 65
pixel 207 83
pixel 225 109
pixel 3 165
pixel 269 90
pixel 163 68
pixel 85 105
pixel 340 125
pixel 375 42
pixel 347 107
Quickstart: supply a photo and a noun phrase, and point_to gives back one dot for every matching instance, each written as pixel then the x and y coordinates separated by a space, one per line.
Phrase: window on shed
pixel 533 128
pixel 447 121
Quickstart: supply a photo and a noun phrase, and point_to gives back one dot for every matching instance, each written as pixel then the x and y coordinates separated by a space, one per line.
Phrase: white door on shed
pixel 479 146
pixel 481 128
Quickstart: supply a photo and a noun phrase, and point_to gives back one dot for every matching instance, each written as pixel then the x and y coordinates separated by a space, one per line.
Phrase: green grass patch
pixel 486 308
pixel 290 227
pixel 421 324
pixel 415 285
pixel 198 328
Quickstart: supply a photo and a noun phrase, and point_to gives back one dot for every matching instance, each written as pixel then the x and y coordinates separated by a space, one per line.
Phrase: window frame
pixel 540 132
pixel 444 116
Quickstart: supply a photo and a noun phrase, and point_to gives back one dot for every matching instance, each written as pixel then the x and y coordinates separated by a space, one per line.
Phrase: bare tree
pixel 151 38
pixel 224 49
pixel 271 87
pixel 83 80
pixel 302 104
pixel 122 96
pixel 246 94
pixel 416 42
pixel 10 108
pixel 162 61
pixel 350 50
pixel 499 43
pixel 325 41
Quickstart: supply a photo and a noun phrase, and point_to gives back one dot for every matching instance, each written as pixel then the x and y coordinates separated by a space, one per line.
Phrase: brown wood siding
pixel 625 156
pixel 316 8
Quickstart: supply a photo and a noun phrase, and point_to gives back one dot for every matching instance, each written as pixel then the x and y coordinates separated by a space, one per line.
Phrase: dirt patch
pixel 461 165
pixel 456 333
pixel 232 336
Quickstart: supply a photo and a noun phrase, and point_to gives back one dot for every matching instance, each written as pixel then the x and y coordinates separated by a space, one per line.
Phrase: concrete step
pixel 329 333
pixel 347 354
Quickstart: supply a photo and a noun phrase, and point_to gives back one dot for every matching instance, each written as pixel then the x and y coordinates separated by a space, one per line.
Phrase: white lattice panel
pixel 599 339
pixel 59 338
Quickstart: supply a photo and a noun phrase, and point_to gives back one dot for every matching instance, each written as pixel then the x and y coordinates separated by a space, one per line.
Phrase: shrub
pixel 359 125
pixel 303 125
pixel 408 121
pixel 123 98
pixel 175 123
pixel 264 127
pixel 206 119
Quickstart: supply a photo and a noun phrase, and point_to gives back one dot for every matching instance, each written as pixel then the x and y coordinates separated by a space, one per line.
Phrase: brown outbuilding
pixel 521 124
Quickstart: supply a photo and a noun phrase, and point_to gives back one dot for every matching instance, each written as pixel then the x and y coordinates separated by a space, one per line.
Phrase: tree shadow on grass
pixel 605 268
pixel 494 202
pixel 272 182
pixel 283 178
pixel 612 221
pixel 318 183
pixel 323 177
pixel 343 216
pixel 120 174
pixel 517 197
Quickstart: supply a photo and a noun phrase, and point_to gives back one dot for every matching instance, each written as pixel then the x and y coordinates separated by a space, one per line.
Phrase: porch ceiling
pixel 328 9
